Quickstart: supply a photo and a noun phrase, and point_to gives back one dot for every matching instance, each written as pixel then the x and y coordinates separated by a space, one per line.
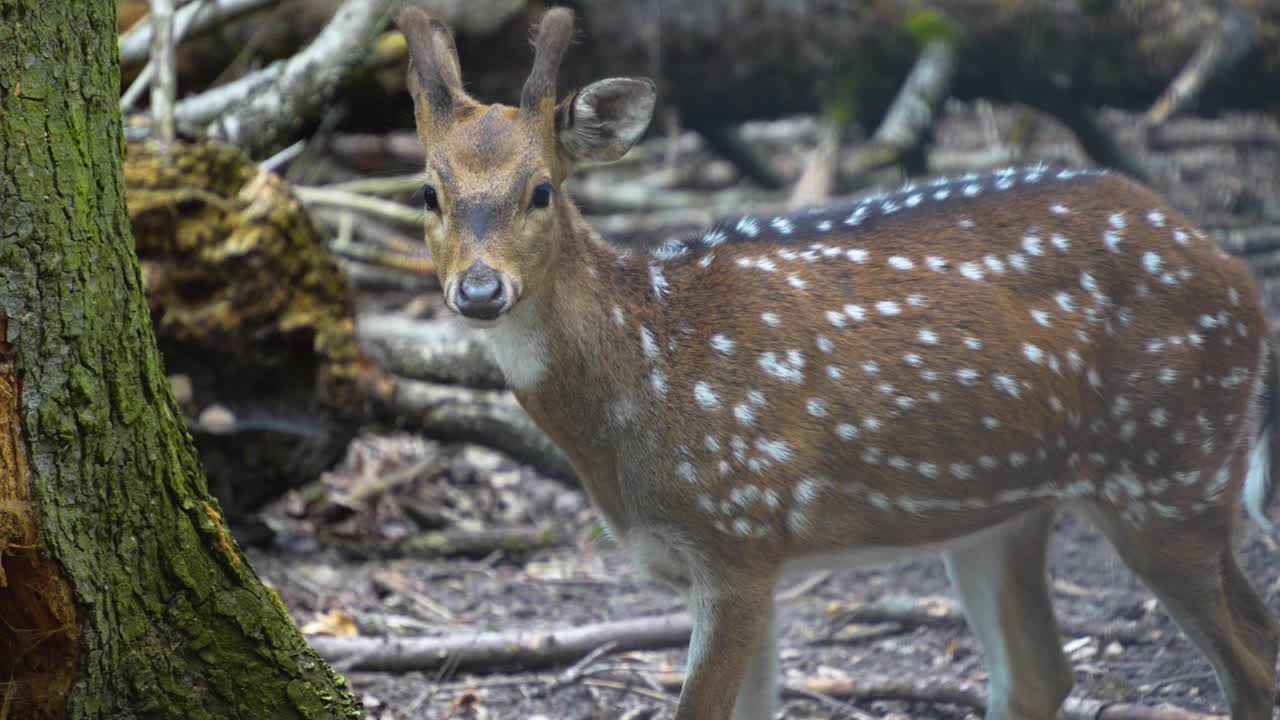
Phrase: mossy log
pixel 252 315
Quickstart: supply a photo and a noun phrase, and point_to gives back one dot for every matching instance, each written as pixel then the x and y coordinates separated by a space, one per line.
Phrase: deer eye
pixel 430 200
pixel 541 196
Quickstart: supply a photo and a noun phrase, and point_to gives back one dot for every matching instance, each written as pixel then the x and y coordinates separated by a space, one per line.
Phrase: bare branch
pixel 912 114
pixel 135 45
pixel 165 89
pixel 382 209
pixel 1232 38
pixel 259 111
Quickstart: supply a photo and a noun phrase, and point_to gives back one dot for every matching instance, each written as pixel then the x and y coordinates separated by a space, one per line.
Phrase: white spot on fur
pixel 888 307
pixel 898 262
pixel 687 472
pixel 1112 239
pixel 788 370
pixel 722 344
pixel 771 319
pixel 658 380
pixel 706 397
pixel 647 343
pixel 927 336
pixel 971 271
pixel 1005 384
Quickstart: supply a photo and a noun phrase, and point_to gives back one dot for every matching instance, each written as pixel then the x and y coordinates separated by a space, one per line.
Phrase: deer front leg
pixel 732 614
pixel 759 695
pixel 1000 577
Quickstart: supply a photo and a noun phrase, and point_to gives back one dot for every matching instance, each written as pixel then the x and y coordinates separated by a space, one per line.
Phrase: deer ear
pixel 434 81
pixel 603 120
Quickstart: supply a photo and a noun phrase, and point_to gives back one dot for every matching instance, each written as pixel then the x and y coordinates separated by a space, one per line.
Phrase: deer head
pixel 493 186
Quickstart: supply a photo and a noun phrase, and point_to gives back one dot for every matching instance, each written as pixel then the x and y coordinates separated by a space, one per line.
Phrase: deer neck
pixel 569 352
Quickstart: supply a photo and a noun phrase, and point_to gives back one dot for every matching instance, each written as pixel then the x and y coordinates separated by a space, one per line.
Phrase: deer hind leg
pixel 1190 567
pixel 1000 577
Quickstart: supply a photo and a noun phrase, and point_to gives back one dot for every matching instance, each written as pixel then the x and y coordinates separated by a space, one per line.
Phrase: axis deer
pixel 938 368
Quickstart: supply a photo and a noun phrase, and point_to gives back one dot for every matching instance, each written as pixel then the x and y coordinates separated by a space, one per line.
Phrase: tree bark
pixel 122 595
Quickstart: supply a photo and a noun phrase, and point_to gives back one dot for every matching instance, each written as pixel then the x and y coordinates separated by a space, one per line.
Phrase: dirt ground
pixel 334 560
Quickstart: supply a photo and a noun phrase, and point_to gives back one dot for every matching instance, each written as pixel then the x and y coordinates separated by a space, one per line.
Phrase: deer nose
pixel 480 294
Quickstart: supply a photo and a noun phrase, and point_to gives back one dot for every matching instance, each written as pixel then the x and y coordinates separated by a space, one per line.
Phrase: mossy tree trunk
pixel 121 593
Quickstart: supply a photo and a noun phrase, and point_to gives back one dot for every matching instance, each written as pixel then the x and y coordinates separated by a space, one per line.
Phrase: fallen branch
pixel 478 543
pixel 392 212
pixel 484 417
pixel 489 650
pixel 385 258
pixel 433 350
pixel 526 649
pixel 259 111
pixel 943 611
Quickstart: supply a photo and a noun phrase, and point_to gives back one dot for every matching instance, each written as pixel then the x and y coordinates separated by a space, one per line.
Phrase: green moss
pixel 925 26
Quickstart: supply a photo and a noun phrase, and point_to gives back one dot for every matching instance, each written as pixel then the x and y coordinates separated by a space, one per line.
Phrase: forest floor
pixel 340 564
